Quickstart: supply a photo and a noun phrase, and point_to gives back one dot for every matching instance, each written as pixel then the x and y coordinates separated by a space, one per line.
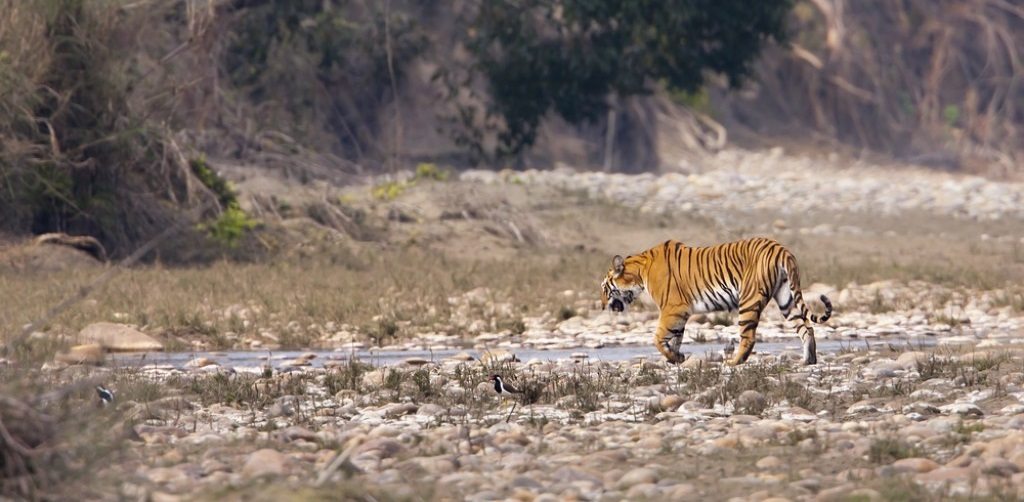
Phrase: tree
pixel 571 55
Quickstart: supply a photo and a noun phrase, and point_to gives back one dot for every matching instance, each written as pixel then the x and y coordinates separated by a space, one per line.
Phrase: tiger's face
pixel 620 287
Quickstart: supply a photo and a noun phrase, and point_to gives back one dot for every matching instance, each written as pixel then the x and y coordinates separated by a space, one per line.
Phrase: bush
pixel 232 223
pixel 75 155
pixel 389 190
pixel 569 57
pixel 430 171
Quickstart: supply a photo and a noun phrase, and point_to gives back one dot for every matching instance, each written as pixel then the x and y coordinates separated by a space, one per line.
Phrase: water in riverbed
pixel 255 359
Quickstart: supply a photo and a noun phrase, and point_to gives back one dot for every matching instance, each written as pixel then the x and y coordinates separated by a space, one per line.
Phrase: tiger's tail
pixel 794 278
pixel 815 318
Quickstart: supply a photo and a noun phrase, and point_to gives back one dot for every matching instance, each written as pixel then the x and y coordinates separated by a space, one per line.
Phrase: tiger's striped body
pixel 742 275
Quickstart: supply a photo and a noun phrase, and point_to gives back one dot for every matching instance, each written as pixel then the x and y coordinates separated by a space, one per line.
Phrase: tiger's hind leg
pixel 793 308
pixel 669 336
pixel 752 302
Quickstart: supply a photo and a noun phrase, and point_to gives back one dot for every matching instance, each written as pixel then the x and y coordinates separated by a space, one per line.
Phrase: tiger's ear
pixel 618 265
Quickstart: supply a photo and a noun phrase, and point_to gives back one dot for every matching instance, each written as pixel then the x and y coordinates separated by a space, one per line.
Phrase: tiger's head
pixel 620 287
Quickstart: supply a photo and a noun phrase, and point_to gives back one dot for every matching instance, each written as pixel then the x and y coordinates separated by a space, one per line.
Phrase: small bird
pixel 506 390
pixel 502 388
pixel 106 395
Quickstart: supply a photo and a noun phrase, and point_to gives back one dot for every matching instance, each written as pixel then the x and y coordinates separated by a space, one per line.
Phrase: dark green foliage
pixel 232 223
pixel 335 38
pixel 569 57
pixel 219 186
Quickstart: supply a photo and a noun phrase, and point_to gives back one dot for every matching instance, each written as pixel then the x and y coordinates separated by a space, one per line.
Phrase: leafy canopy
pixel 570 55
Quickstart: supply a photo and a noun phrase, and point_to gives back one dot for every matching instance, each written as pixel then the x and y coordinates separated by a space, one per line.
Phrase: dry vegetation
pixel 391 290
pixel 103 140
pixel 948 95
pixel 407 289
pixel 579 394
pixel 399 284
pixel 54 437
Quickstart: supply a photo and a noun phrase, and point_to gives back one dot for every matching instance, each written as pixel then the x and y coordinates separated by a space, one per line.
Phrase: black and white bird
pixel 504 389
pixel 106 395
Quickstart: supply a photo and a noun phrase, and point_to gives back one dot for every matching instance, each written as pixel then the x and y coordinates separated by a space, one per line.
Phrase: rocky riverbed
pixel 770 181
pixel 871 424
pixel 909 313
pixel 919 395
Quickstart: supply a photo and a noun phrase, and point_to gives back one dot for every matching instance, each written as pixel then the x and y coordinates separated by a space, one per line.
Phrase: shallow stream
pixel 255 359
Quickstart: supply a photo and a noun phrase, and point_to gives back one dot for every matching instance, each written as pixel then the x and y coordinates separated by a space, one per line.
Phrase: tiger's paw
pixel 676 358
pixel 737 360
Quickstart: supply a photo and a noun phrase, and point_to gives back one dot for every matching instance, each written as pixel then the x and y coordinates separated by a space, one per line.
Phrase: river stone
pixel 462 356
pixel 497 356
pixel 201 362
pixel 637 476
pixel 394 410
pixel 294 433
pixel 280 408
pixel 999 467
pixel 430 410
pixel 885 368
pixel 909 360
pixel 644 491
pixel 381 446
pixel 118 338
pixel 769 462
pixel 682 491
pixel 964 409
pixel 168 475
pixel 438 465
pixel 866 494
pixel 944 475
pixel 671 402
pixel 296 363
pixel 265 462
pixel 914 465
pixel 82 354
pixel 751 401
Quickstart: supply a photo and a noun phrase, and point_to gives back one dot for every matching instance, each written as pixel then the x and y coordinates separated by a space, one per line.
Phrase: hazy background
pixel 112 111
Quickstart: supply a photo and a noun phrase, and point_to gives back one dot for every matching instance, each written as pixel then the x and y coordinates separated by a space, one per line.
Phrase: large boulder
pixel 118 338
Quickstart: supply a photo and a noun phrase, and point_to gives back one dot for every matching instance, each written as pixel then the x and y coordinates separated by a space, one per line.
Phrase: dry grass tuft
pixel 383 295
pixel 55 439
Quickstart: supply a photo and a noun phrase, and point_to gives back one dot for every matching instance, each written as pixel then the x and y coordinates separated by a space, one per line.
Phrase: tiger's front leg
pixel 669 336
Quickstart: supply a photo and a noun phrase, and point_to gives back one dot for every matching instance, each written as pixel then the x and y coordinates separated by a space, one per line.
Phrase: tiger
pixel 741 275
